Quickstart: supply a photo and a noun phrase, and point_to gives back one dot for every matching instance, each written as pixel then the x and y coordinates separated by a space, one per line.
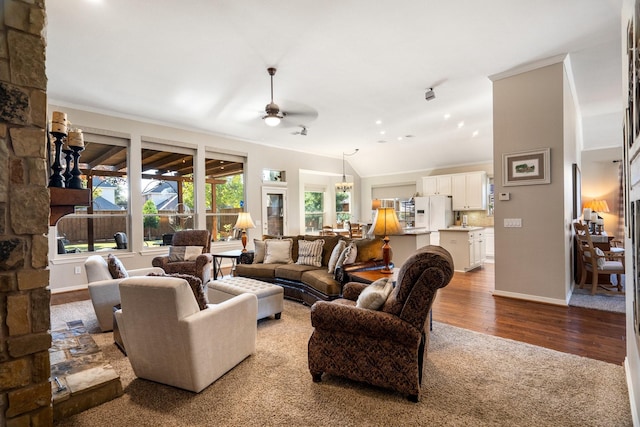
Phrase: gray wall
pixel 534 109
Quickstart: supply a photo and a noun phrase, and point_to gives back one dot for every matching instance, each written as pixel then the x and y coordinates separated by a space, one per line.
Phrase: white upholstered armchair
pixel 103 288
pixel 171 341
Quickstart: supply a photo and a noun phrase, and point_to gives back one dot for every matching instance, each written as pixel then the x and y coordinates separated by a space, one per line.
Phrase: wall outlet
pixel 77 270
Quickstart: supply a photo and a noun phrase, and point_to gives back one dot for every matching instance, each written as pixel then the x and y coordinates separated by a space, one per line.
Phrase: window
pixel 313 210
pixel 103 165
pixel 167 193
pixel 343 206
pixel 224 189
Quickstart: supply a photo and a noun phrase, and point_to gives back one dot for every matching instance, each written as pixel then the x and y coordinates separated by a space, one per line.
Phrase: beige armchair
pixel 103 288
pixel 171 341
pixel 200 267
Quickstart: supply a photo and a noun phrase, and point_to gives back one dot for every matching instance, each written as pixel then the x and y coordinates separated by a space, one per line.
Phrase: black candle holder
pixel 56 179
pixel 75 181
pixel 67 171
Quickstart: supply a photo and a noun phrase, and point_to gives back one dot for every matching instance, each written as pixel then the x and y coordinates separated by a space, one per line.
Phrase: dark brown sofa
pixel 309 284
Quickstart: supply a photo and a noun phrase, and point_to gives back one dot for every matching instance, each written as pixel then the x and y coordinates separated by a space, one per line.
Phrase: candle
pixel 75 138
pixel 600 221
pixel 586 214
pixel 594 216
pixel 58 127
pixel 60 117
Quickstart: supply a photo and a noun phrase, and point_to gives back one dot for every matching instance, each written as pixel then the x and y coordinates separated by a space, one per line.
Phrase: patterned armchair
pixel 203 263
pixel 384 348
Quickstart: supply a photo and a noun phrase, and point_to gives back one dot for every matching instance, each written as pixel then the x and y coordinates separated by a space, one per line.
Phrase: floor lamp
pixel 244 221
pixel 385 223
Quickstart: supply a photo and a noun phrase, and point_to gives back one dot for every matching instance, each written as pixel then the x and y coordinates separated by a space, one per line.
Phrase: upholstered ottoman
pixel 270 297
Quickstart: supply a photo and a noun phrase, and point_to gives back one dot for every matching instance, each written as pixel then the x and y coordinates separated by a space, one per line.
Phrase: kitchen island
pixel 466 245
pixel 404 245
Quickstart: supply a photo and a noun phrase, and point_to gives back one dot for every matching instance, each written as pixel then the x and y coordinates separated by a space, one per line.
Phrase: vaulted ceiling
pixel 353 72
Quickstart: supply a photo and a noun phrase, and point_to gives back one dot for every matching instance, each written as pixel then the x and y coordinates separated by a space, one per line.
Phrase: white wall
pixel 533 262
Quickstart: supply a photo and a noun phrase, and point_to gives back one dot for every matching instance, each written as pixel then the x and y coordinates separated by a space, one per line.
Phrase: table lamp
pixel 385 223
pixel 244 221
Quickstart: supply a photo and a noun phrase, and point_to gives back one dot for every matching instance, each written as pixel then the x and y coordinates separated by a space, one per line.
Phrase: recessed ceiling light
pixel 447 116
pixel 460 124
pixel 475 133
pixel 409 136
pixel 382 132
pixel 399 138
pixel 378 122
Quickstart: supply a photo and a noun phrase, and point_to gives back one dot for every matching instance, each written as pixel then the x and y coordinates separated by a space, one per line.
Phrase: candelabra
pixel 56 179
pixel 67 157
pixel 75 181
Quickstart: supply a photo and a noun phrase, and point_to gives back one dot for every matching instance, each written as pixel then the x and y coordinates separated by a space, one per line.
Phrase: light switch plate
pixel 513 222
pixel 504 196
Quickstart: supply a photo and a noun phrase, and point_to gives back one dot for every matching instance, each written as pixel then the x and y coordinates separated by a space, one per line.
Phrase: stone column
pixel 25 391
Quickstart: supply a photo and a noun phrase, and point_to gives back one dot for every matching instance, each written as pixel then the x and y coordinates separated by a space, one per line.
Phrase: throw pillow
pixel 194 283
pixel 342 256
pixel 335 254
pixel 184 253
pixel 351 255
pixel 278 251
pixel 600 261
pixel 310 252
pixel 116 268
pixel 374 295
pixel 258 253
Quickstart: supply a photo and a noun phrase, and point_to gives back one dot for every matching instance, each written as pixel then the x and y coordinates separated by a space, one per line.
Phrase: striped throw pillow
pixel 310 252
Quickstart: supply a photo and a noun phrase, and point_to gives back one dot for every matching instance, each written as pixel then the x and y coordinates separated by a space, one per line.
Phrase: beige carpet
pixel 470 379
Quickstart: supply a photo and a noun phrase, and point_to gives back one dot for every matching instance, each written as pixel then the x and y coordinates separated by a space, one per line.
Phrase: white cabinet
pixel 466 246
pixel 469 191
pixel 436 185
pixel 489 240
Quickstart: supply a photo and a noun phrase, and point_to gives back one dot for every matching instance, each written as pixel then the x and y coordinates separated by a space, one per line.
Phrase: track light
pixel 430 94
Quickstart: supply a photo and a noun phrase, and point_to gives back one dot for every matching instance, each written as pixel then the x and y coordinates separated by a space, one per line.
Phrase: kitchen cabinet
pixel 436 185
pixel 489 241
pixel 469 191
pixel 466 246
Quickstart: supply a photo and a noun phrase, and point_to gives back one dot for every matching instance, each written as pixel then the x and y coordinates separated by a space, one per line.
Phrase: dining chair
pixel 596 261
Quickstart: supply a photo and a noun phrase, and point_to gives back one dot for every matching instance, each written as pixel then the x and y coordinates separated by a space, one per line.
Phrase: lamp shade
pixel 597 206
pixel 386 222
pixel 244 221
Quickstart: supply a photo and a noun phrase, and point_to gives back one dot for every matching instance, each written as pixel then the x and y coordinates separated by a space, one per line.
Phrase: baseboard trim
pixel 635 417
pixel 528 297
pixel 69 289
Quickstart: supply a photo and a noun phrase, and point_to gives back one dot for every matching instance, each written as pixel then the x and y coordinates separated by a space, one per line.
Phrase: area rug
pixel 600 301
pixel 470 379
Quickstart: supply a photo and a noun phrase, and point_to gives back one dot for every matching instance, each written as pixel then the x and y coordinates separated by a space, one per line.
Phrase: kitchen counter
pixel 415 231
pixel 461 228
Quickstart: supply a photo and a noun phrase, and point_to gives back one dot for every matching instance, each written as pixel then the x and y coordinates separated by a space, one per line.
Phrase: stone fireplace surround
pixel 25 391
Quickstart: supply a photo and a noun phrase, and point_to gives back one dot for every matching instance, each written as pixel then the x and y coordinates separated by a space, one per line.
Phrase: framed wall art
pixel 526 168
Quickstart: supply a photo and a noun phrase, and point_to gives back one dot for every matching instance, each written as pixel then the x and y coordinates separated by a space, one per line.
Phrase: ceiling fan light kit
pixel 430 94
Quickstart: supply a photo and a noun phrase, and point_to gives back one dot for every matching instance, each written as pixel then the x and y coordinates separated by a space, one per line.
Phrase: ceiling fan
pixel 274 116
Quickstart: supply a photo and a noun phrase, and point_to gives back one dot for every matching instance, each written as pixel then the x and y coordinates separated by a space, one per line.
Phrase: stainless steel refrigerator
pixel 433 213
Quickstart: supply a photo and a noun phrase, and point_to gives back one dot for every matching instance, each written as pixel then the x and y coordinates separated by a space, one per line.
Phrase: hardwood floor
pixel 467 302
